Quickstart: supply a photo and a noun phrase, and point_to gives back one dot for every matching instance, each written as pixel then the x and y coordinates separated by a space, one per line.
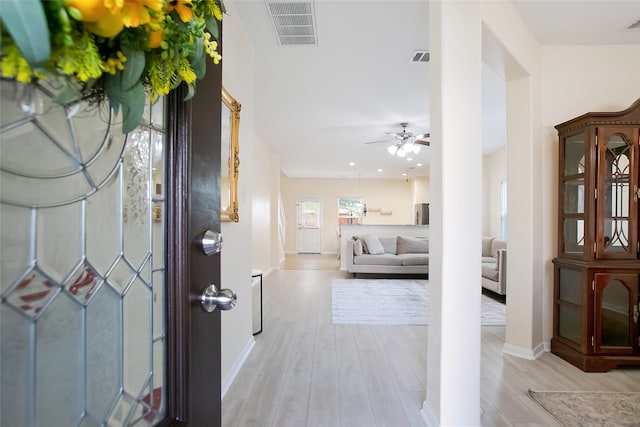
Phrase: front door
pixel 101 265
pixel 308 232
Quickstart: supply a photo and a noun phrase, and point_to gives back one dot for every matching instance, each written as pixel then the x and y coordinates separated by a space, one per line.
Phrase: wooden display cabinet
pixel 597 271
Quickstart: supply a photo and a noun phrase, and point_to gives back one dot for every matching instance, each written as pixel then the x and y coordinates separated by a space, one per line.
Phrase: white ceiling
pixel 317 105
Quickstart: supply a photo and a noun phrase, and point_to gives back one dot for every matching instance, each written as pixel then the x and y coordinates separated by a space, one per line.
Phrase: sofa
pixel 494 265
pixel 388 255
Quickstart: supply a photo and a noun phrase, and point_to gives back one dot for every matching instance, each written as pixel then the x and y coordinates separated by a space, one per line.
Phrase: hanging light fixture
pixel 403 148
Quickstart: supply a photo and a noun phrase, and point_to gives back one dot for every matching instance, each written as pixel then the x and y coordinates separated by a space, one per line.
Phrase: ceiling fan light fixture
pixel 401 152
pixel 392 149
pixel 408 146
pixel 416 148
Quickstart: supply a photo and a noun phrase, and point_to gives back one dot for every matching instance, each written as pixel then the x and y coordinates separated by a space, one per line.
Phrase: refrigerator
pixel 422 213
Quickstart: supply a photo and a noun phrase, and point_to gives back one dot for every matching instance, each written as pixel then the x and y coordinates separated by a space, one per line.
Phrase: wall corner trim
pixel 524 353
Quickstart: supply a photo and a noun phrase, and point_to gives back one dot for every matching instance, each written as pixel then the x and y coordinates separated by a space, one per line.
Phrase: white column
pixel 523 336
pixel 453 368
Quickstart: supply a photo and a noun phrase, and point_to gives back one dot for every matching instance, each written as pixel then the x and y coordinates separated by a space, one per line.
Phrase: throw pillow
pixel 357 247
pixel 389 244
pixel 413 245
pixel 364 244
pixel 373 245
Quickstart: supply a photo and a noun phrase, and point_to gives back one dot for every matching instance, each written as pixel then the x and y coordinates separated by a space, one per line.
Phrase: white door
pixel 308 220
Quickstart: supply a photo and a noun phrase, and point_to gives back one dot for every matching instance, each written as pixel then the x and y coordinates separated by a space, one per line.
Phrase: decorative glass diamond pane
pixel 14 243
pixel 14 370
pixel 121 411
pixel 121 276
pixel 83 283
pixel 59 239
pixel 33 293
pixel 104 225
pixel 103 351
pixel 59 364
pixel 158 304
pixel 137 341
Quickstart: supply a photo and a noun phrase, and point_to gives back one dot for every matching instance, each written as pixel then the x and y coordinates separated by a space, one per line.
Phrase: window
pixel 350 210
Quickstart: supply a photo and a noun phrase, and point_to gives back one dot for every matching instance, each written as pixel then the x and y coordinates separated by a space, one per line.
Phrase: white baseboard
pixel 524 353
pixel 233 372
pixel 427 416
pixel 547 346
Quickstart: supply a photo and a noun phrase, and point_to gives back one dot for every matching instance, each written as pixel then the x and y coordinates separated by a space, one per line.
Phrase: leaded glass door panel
pixel 82 308
pixel 97 322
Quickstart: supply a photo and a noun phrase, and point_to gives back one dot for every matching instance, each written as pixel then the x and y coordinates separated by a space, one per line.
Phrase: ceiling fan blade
pixel 424 135
pixel 422 142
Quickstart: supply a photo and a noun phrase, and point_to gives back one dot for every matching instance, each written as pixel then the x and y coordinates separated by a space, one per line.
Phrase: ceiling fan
pixel 405 142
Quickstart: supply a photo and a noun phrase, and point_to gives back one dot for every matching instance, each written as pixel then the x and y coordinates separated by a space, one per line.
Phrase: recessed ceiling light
pixel 379 170
pixel 352 164
pixel 404 174
pixel 409 159
pixel 418 164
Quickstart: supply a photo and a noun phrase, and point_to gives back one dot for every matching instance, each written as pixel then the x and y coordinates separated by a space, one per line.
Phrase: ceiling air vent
pixel 294 22
pixel 419 56
pixel 634 26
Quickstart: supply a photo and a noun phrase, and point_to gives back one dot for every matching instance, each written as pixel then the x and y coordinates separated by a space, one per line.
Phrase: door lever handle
pixel 212 298
pixel 636 312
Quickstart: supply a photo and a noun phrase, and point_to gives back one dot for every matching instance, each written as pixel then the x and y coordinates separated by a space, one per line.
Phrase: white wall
pixel 494 172
pixel 387 194
pixel 237 78
pixel 421 190
pixel 265 175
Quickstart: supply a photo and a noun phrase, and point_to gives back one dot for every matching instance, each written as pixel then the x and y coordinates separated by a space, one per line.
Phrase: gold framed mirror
pixel 230 158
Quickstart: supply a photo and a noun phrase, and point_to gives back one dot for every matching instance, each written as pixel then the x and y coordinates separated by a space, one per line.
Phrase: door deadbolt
pixel 211 242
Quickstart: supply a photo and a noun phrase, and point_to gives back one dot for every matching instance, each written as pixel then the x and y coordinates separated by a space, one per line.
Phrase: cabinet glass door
pixel 570 305
pixel 616 316
pixel 617 238
pixel 572 193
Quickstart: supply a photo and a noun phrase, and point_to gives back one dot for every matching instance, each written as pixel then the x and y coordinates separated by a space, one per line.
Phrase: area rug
pixel 590 409
pixel 394 302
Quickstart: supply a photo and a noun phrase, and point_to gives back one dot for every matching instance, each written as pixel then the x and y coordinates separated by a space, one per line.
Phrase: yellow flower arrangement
pixel 118 50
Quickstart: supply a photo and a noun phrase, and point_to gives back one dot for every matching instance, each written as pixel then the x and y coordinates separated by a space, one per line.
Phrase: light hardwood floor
pixel 305 371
